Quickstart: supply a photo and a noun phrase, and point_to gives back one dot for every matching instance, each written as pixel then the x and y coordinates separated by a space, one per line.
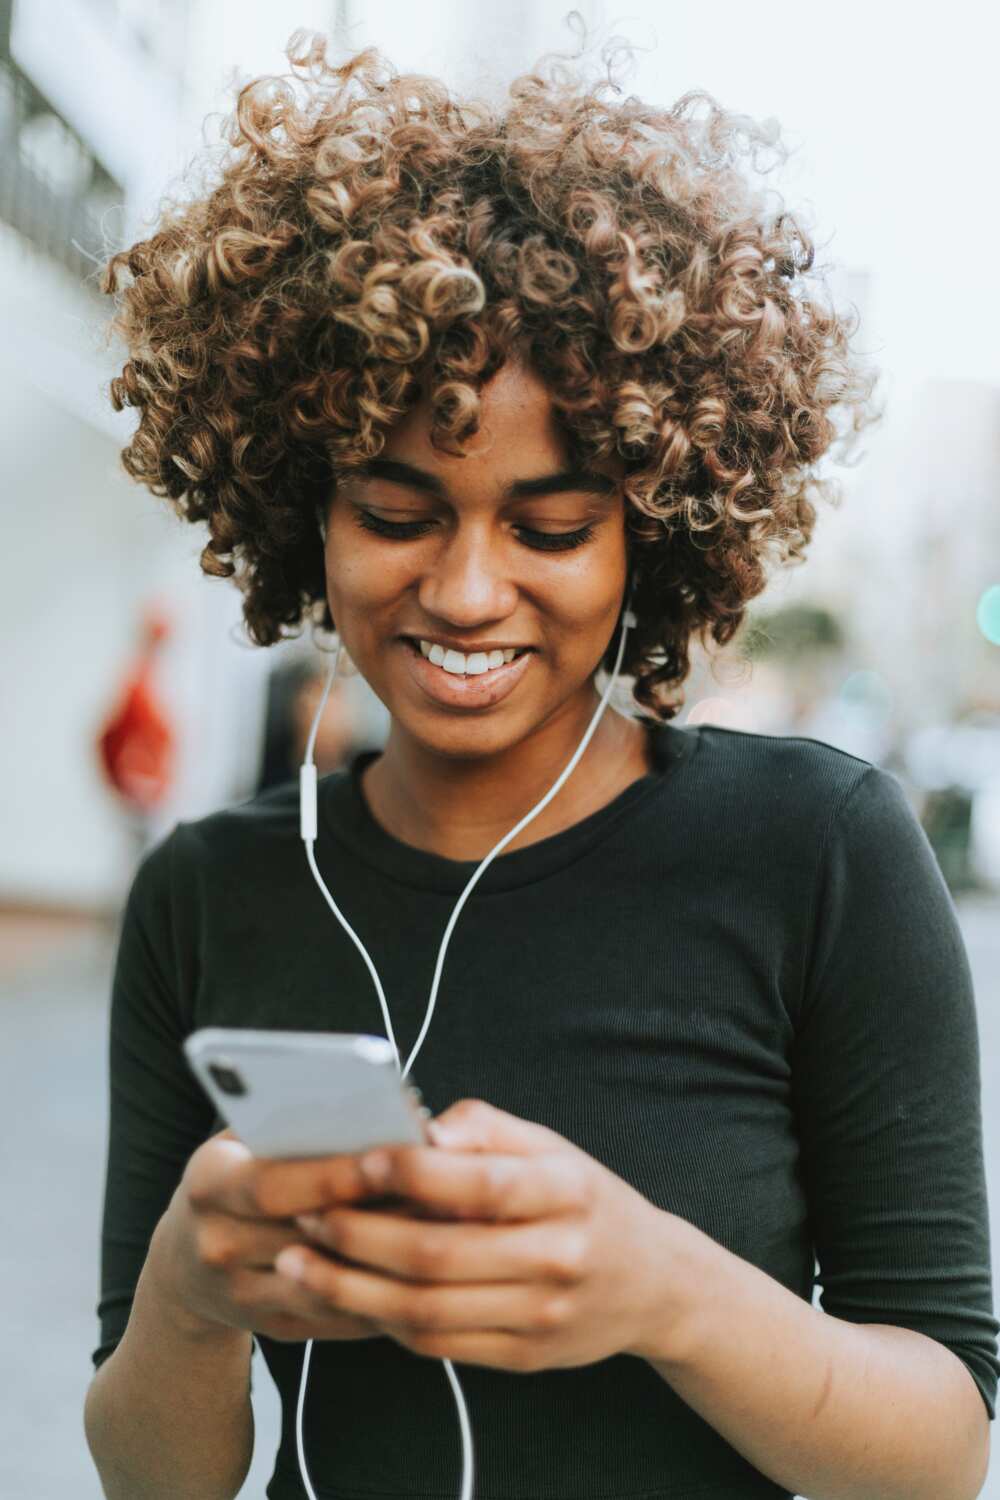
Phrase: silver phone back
pixel 306 1093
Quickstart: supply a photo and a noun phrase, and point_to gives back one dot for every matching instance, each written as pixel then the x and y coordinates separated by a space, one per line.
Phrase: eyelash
pixel 404 531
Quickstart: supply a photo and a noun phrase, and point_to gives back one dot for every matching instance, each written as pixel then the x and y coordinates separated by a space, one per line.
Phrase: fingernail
pixel 375 1168
pixel 311 1223
pixel 291 1262
pixel 440 1134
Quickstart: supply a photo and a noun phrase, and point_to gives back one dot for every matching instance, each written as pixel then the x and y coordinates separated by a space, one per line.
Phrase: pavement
pixel 54 988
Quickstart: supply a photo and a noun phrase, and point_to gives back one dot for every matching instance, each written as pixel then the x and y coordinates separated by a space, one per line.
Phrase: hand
pixel 546 1259
pixel 212 1254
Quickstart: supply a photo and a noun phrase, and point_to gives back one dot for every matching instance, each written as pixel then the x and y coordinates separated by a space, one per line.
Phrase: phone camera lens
pixel 227 1078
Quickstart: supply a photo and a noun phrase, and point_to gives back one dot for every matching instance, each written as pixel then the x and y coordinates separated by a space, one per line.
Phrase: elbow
pixel 982 1462
pixel 94 1428
pixel 124 1465
pixel 978 1435
pixel 91 1415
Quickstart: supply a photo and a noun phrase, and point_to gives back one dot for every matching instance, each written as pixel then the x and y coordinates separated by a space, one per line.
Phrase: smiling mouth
pixel 464 664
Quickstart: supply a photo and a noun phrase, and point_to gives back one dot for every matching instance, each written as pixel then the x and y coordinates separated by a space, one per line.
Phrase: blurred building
pixel 904 560
pixel 950 467
pixel 94 130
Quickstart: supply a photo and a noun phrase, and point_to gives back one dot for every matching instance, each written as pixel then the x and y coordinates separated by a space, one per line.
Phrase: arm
pixel 168 1413
pixel 829 1409
pixel 889 1389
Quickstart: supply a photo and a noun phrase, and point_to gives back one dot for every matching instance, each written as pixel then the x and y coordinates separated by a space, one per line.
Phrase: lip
pixel 464 646
pixel 480 691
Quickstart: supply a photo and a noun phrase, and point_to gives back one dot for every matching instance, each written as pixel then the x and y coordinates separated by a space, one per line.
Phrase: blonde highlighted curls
pixel 370 231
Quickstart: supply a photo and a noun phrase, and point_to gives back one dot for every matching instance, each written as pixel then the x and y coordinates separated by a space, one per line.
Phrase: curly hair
pixel 369 235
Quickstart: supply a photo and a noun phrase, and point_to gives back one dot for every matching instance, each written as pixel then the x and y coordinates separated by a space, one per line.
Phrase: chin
pixel 462 737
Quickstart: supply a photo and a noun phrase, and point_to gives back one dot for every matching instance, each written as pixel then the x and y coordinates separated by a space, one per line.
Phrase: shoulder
pixel 805 807
pixel 222 848
pixel 790 786
pixel 259 821
pixel 781 759
pixel 257 828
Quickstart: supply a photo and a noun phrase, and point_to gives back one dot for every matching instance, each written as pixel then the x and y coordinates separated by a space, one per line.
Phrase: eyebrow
pixel 399 472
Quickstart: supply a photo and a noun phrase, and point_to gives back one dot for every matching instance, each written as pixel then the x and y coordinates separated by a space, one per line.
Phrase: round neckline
pixel 347 817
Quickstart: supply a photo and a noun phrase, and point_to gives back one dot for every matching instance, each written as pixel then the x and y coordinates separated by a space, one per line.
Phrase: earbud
pixel 629 620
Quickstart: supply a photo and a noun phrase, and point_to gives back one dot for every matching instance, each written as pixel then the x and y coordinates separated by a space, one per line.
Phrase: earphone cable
pixel 308 832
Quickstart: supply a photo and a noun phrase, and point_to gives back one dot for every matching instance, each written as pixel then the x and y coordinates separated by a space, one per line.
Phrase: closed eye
pixel 542 541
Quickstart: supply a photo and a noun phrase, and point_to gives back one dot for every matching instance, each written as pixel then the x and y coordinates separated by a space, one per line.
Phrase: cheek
pixel 588 594
pixel 361 579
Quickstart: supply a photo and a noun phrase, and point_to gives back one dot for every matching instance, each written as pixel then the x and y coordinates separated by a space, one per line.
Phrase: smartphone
pixel 305 1093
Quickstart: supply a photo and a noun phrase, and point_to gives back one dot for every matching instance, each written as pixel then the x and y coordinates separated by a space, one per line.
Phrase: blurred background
pixel 131 698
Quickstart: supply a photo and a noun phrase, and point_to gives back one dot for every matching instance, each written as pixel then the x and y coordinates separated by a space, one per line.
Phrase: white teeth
pixel 460 665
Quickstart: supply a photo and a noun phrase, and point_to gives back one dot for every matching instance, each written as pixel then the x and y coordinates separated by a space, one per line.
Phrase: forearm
pixel 829 1409
pixel 169 1412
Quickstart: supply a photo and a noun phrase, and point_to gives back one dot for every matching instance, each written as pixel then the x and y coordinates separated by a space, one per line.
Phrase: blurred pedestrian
pixel 136 745
pixel 293 693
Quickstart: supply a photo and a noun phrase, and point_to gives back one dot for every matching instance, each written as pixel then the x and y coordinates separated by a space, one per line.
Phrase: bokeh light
pixel 725 712
pixel 988 614
pixel 868 692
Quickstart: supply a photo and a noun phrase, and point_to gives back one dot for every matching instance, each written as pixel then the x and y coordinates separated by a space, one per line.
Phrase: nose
pixel 468 584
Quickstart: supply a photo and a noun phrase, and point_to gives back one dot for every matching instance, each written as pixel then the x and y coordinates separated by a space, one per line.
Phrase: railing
pixel 53 189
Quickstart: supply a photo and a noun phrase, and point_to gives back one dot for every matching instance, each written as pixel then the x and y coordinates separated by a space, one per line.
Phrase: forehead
pixel 519 433
pixel 514 399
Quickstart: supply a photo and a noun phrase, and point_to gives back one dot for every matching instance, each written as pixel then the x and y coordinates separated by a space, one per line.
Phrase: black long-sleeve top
pixel 741 985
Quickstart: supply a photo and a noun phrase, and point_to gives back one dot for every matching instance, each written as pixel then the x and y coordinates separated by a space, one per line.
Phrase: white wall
pixel 471 47
pixel 83 548
pixel 110 91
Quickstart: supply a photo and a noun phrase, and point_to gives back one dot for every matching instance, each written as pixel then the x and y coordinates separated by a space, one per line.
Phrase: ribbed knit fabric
pixel 741 985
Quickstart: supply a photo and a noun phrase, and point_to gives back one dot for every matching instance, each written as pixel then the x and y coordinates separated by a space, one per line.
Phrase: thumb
pixel 474 1125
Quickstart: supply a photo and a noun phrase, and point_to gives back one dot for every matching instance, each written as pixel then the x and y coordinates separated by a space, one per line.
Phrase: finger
pixel 230 1179
pixel 275 1304
pixel 422 1250
pixel 512 1305
pixel 474 1125
pixel 486 1185
pixel 494 1347
pixel 224 1241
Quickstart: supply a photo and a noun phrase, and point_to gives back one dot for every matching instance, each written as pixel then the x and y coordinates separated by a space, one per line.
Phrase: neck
pixel 461 807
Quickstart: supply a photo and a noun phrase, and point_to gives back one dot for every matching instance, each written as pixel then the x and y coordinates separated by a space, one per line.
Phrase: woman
pixel 706 1031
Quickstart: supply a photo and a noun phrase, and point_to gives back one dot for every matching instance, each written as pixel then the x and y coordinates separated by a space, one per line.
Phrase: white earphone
pixel 308 829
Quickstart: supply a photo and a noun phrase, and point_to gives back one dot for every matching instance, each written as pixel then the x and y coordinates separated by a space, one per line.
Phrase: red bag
pixel 136 745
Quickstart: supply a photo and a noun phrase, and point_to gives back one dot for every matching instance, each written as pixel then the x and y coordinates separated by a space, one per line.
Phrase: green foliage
pixel 791 632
